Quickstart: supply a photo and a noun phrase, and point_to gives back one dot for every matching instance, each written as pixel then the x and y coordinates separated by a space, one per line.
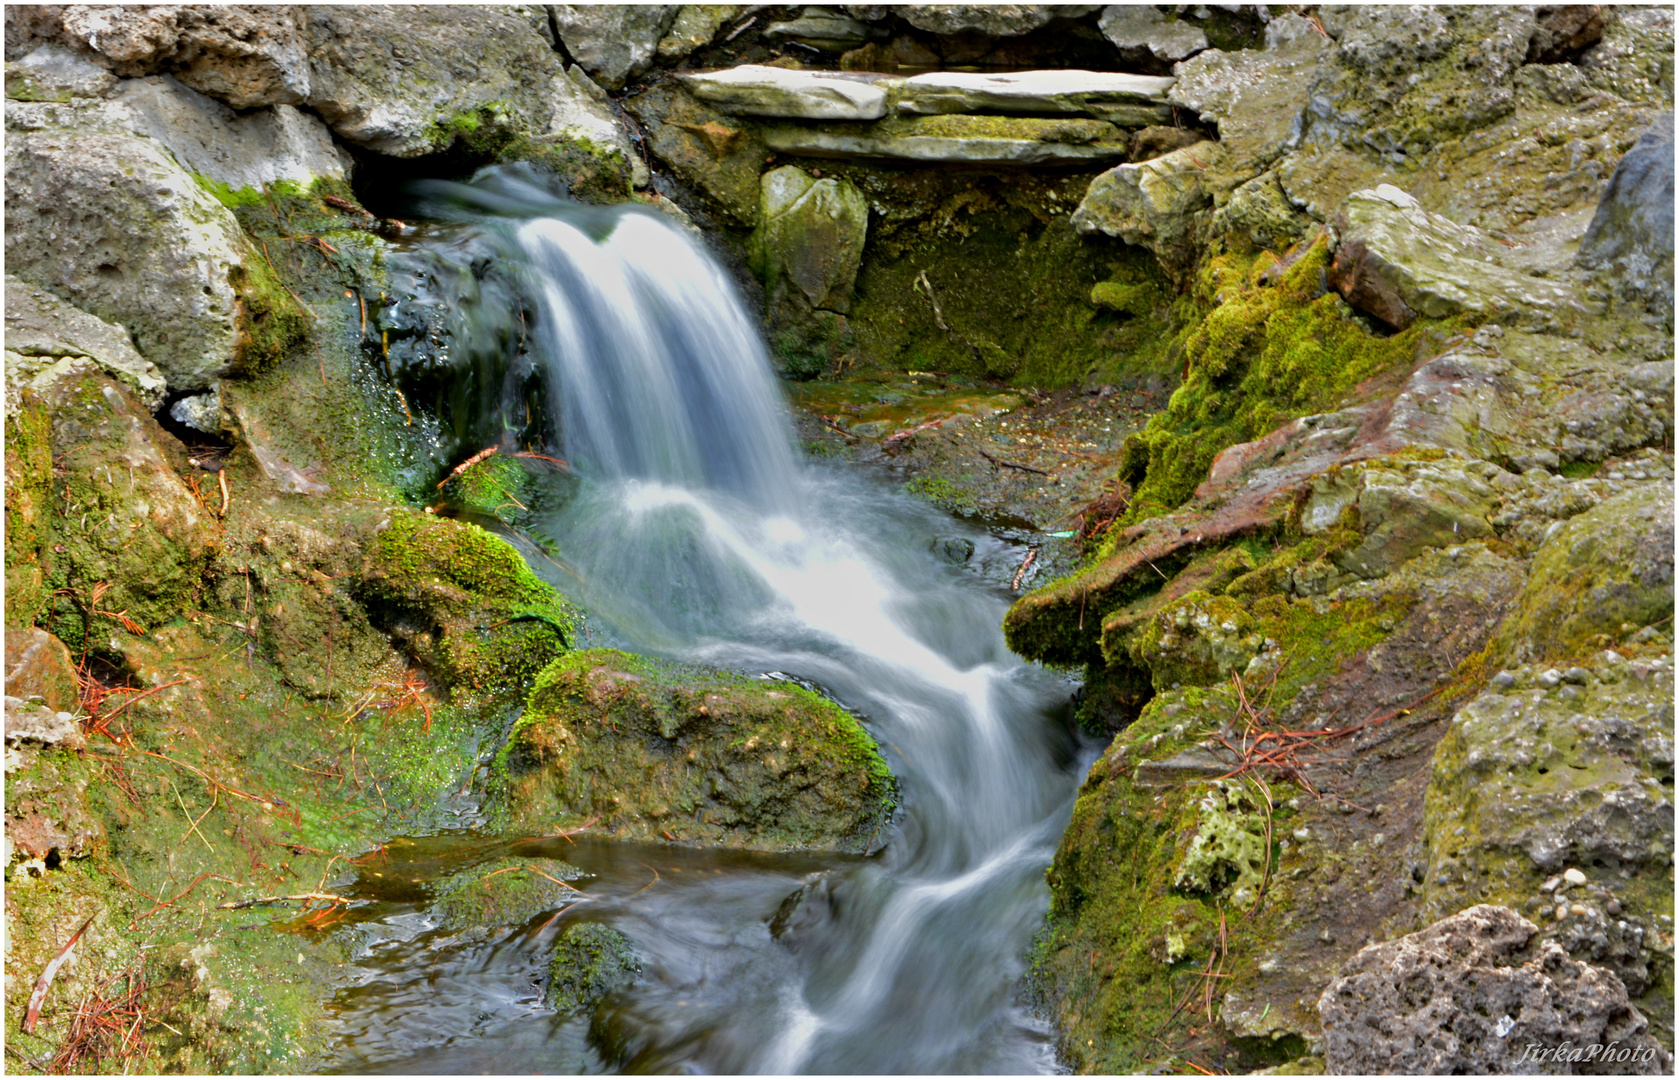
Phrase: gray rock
pixel 26 723
pixel 1451 999
pixel 242 150
pixel 42 329
pixel 1152 204
pixel 1137 29
pixel 990 140
pixel 1631 235
pixel 1402 510
pixel 55 73
pixel 820 29
pixel 1195 763
pixel 407 81
pixel 992 20
pixel 1396 261
pixel 583 115
pixel 202 412
pixel 111 223
pixel 245 55
pixel 809 239
pixel 1130 100
pixel 756 90
pixel 695 26
pixel 613 41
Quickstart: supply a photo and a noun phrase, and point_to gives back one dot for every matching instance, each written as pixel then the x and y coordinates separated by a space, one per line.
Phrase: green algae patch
pixel 652 750
pixel 464 604
pixel 29 485
pixel 506 892
pixel 590 961
pixel 1273 345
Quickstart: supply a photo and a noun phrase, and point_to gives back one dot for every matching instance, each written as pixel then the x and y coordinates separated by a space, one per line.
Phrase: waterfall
pixel 699 535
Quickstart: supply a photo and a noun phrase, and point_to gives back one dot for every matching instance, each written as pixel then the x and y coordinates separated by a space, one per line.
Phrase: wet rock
pixel 655 751
pixel 1565 31
pixel 613 41
pixel 1138 31
pixel 822 29
pixel 756 90
pixel 55 73
pixel 1196 641
pixel 584 118
pixel 1608 568
pixel 42 331
pixel 245 55
pixel 695 26
pixel 113 224
pixel 590 961
pixel 505 892
pixel 899 54
pixel 48 820
pixel 809 238
pixel 1451 998
pixel 1397 261
pixel 38 665
pixel 975 140
pixel 1631 235
pixel 714 153
pixel 991 20
pixel 30 722
pixel 1402 511
pixel 409 81
pixel 1117 97
pixel 239 150
pixel 1152 204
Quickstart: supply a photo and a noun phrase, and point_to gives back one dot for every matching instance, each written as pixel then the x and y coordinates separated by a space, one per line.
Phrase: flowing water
pixel 698 533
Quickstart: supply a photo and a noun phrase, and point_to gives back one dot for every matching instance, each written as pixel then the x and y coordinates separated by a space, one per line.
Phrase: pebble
pixel 1550 884
pixel 1561 912
pixel 1573 876
pixel 1576 675
pixel 1578 909
pixel 1613 907
pixel 1550 677
pixel 1504 679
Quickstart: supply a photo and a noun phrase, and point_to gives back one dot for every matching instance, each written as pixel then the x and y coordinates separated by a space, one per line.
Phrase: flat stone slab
pixel 1131 100
pixel 755 90
pixel 990 140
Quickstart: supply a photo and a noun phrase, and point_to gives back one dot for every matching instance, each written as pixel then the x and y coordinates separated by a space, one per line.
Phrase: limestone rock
pixel 111 223
pixel 655 750
pixel 1565 31
pixel 810 238
pixel 1634 59
pixel 41 329
pixel 32 722
pixel 613 41
pixel 1142 30
pixel 992 20
pixel 995 140
pixel 55 73
pixel 1397 261
pixel 756 90
pixel 1114 96
pixel 202 412
pixel 1402 511
pixel 408 81
pixel 716 154
pixel 1152 204
pixel 38 665
pixel 244 55
pixel 583 116
pixel 1610 566
pixel 1449 999
pixel 1632 232
pixel 694 27
pixel 822 29
pixel 241 150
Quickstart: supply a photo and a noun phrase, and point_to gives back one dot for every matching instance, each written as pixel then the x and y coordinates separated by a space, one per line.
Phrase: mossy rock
pixel 653 750
pixel 506 892
pixel 463 603
pixel 590 961
pixel 28 510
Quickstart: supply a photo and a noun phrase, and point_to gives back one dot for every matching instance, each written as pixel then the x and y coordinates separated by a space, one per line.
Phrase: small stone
pixel 1550 884
pixel 1576 675
pixel 1578 909
pixel 1574 876
pixel 1561 912
pixel 1550 677
pixel 1504 679
pixel 1613 907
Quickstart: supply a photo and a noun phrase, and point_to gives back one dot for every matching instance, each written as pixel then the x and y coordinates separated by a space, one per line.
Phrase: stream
pixel 698 533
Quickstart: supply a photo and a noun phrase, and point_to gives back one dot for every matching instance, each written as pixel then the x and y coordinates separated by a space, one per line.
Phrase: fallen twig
pixel 467 464
pixel 899 436
pixel 1011 464
pixel 331 898
pixel 44 983
pixel 1025 565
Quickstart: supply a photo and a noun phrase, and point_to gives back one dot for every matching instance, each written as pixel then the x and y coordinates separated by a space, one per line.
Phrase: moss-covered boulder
pixel 1599 576
pixel 506 892
pixel 464 604
pixel 589 962
pixel 653 750
pixel 807 250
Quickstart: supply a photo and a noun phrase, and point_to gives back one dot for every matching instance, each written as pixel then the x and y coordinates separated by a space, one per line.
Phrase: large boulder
pixel 43 334
pixel 1457 998
pixel 409 81
pixel 1397 261
pixel 649 750
pixel 807 250
pixel 1153 204
pixel 1631 235
pixel 613 41
pixel 244 55
pixel 112 223
pixel 1140 31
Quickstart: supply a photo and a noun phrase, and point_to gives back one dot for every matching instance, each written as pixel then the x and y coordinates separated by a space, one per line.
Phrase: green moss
pixel 654 750
pixel 1262 355
pixel 937 489
pixel 506 892
pixel 589 962
pixel 271 319
pixel 28 511
pixel 1229 852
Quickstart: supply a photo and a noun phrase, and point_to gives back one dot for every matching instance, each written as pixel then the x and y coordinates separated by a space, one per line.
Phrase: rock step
pixel 756 90
pixel 979 140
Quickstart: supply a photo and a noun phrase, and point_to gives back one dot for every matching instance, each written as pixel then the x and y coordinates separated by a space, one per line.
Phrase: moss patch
pixel 590 961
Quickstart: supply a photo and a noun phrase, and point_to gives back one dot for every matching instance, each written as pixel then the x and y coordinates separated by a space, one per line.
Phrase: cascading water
pixel 697 534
